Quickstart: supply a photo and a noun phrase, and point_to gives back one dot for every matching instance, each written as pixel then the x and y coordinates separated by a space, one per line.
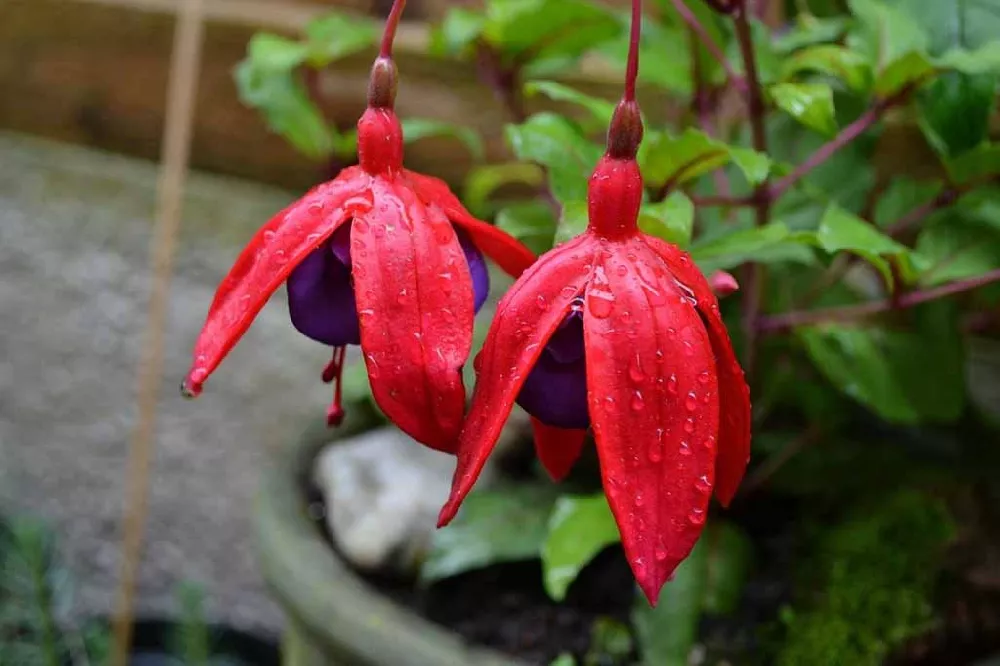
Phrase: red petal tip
pixel 447 514
pixel 190 389
pixel 723 283
pixel 651 590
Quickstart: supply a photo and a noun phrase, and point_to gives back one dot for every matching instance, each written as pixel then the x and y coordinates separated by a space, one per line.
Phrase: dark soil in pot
pixel 505 606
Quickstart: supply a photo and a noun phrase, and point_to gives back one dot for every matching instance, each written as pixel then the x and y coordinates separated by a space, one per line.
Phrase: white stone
pixel 383 492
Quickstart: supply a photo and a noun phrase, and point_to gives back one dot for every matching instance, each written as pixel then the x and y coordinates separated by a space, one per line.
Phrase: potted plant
pixel 840 163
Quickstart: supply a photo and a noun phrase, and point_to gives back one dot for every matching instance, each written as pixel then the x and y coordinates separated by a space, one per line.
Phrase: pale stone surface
pixel 74 281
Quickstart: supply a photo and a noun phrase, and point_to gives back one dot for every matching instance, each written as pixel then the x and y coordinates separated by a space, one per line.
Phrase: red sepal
pixel 557 448
pixel 654 408
pixel 266 262
pixel 509 253
pixel 526 318
pixel 415 308
pixel 734 394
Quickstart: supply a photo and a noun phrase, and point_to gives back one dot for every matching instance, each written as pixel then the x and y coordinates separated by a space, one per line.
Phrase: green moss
pixel 875 574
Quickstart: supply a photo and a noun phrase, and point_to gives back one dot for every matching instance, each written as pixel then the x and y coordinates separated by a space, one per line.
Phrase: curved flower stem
pixel 692 21
pixel 391 23
pixel 789 320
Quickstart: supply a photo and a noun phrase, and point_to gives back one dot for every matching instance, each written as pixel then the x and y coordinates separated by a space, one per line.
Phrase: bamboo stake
pixel 185 64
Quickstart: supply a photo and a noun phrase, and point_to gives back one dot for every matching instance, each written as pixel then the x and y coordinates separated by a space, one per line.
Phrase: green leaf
pixel 565 659
pixel 580 528
pixel 528 30
pixel 884 33
pixel 486 179
pixel 755 166
pixel 499 525
pixel 767 244
pixel 840 230
pixel 676 160
pixel 837 61
pixel 958 244
pixel 599 109
pixel 711 22
pixel 902 196
pixel 907 70
pixel 267 81
pixel 671 219
pixel 955 111
pixel 531 222
pixel 572 221
pixel 335 36
pixel 459 29
pixel 560 146
pixel 809 103
pixel 952 24
pixel 904 376
pixel 808 31
pixel 668 632
pixel 610 643
pixel 978 164
pixel 415 129
pixel 727 565
pixel 984 60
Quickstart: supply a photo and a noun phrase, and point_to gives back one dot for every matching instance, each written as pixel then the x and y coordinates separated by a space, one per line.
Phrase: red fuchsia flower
pixel 619 331
pixel 380 256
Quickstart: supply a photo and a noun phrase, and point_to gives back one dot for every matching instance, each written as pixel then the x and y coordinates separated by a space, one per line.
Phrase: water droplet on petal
pixel 600 303
pixel 568 292
pixel 269 236
pixel 401 296
pixel 697 516
pixel 362 227
pixel 639 499
pixel 685 449
pixel 691 402
pixel 688 348
pixel 710 442
pixel 635 371
pixel 656 448
pixel 637 402
pixel 672 384
pixel 622 270
pixel 661 553
pixel 703 485
pixel 541 302
pixel 704 378
pixel 689 426
pixel 672 332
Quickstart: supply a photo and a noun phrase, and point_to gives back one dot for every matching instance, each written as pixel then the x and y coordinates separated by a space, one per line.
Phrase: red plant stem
pixel 632 68
pixel 755 274
pixel 789 320
pixel 846 135
pixel 688 17
pixel 944 199
pixel 391 23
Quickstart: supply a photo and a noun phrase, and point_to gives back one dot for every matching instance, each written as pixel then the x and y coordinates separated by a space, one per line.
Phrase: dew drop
pixel 661 553
pixel 697 516
pixel 639 499
pixel 688 348
pixel 635 371
pixel 656 448
pixel 362 227
pixel 704 378
pixel 703 485
pixel 672 384
pixel 269 236
pixel 568 292
pixel 689 426
pixel 638 404
pixel 710 442
pixel 600 303
pixel 685 449
pixel 198 375
pixel 541 302
pixel 622 270
pixel 313 238
pixel 691 402
pixel 280 257
pixel 401 296
pixel 672 332
pixel 685 259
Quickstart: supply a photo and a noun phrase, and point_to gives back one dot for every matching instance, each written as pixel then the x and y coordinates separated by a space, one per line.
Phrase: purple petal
pixel 321 295
pixel 555 391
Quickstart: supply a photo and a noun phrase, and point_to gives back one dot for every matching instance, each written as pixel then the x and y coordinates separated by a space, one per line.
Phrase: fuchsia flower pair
pixel 615 330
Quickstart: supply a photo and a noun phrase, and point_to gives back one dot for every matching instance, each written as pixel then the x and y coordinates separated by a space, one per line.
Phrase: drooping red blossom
pixel 380 256
pixel 619 331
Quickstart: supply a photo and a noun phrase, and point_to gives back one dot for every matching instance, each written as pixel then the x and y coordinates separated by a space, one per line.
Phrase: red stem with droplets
pixel 391 23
